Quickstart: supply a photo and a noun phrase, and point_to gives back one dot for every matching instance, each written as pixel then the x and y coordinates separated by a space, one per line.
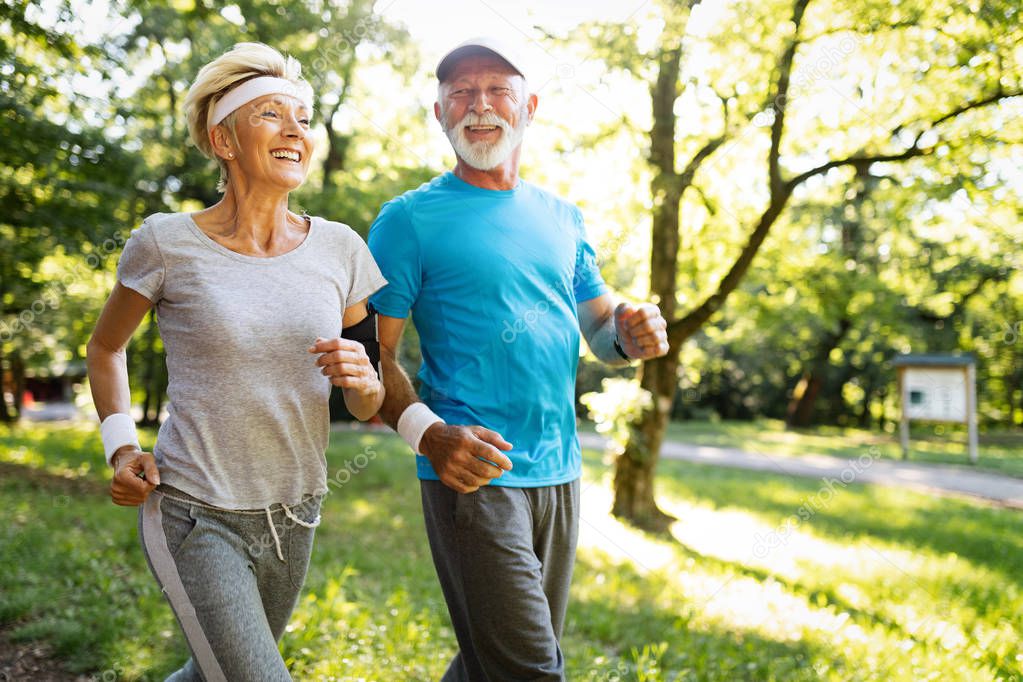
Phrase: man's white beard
pixel 484 155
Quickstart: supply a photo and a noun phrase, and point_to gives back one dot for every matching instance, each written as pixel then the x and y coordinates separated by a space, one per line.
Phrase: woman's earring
pixel 230 155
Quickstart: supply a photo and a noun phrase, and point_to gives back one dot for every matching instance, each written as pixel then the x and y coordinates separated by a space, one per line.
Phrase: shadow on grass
pixel 986 536
pixel 816 595
pixel 615 614
pixel 28 476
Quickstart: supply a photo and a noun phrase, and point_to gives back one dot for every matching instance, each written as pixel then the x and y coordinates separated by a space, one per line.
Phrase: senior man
pixel 500 282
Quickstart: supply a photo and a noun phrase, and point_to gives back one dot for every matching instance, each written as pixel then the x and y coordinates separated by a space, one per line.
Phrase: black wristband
pixel 618 347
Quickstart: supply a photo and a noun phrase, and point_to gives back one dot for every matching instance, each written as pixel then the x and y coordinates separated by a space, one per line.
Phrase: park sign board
pixel 936 393
pixel 938 387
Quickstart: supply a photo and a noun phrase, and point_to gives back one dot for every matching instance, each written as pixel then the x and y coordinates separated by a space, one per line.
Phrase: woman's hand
pixel 346 363
pixel 135 476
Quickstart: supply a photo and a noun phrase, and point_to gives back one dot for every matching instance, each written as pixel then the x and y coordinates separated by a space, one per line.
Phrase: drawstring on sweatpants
pixel 273 530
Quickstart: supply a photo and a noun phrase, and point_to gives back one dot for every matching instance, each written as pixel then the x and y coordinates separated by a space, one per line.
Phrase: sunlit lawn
pixel 765 578
pixel 1000 451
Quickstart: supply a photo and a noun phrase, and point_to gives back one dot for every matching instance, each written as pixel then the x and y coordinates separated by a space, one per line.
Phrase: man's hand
pixel 457 454
pixel 128 488
pixel 346 363
pixel 642 331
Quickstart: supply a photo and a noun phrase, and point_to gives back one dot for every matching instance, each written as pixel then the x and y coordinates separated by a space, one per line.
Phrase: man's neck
pixel 505 176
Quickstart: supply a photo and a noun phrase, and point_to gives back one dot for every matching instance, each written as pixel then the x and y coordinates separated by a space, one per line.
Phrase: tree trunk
pixel 337 143
pixel 801 407
pixel 882 417
pixel 5 413
pixel 18 376
pixel 634 468
pixel 1013 394
pixel 863 419
pixel 334 160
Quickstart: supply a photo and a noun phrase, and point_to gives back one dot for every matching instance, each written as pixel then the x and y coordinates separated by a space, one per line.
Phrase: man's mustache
pixel 488 119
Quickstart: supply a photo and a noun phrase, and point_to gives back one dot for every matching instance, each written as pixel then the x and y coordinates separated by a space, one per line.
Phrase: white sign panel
pixel 935 393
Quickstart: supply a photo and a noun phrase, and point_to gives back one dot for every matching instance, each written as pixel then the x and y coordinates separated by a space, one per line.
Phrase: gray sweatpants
pixel 232 579
pixel 504 557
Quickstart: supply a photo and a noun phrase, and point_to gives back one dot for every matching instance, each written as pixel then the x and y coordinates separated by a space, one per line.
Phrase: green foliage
pixel 868 260
pixel 891 257
pixel 103 142
pixel 615 407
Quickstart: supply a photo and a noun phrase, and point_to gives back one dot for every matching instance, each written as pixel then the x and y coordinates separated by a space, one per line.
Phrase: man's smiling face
pixel 483 109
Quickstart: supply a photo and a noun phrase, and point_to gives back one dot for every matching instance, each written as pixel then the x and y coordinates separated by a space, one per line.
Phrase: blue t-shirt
pixel 492 278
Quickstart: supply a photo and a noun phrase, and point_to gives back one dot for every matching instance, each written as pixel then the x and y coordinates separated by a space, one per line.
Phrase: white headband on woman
pixel 258 87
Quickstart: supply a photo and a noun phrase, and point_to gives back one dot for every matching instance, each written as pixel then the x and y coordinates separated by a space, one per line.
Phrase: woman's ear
pixel 223 145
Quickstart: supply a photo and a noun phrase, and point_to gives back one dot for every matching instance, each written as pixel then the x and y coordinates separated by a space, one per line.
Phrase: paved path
pixel 935 478
pixel 942 479
pixel 51 412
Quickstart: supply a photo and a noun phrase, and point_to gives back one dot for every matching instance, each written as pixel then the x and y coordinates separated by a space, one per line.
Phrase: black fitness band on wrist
pixel 618 347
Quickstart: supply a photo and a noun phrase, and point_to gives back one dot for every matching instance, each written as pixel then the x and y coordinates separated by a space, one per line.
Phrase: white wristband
pixel 118 430
pixel 414 422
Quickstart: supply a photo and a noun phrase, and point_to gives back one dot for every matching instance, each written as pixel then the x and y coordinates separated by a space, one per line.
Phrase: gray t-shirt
pixel 247 421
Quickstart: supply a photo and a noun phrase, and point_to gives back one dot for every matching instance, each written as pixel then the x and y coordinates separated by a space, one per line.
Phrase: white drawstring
pixel 305 524
pixel 273 530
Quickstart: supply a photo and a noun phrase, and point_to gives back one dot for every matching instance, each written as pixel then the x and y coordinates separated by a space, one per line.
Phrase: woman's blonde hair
pixel 242 62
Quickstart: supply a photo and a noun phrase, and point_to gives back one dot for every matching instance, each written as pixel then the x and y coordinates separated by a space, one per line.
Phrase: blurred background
pixel 862 261
pixel 808 188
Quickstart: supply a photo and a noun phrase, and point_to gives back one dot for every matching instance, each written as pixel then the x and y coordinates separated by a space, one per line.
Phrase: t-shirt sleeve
pixel 587 282
pixel 396 249
pixel 363 273
pixel 141 267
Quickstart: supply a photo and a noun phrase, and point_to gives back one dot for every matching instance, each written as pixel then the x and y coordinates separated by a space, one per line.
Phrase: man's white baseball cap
pixel 478 46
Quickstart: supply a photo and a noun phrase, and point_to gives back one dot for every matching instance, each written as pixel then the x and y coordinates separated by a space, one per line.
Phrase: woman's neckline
pixel 220 248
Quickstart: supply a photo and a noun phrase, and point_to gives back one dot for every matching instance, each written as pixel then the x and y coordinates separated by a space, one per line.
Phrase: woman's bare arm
pixel 108 379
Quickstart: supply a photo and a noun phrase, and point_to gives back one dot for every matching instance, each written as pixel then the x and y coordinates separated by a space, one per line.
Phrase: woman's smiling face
pixel 274 145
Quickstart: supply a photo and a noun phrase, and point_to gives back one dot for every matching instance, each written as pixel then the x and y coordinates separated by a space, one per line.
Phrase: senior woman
pixel 251 300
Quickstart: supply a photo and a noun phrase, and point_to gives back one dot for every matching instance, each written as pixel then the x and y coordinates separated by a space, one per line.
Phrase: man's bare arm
pixel 639 330
pixel 464 457
pixel 398 390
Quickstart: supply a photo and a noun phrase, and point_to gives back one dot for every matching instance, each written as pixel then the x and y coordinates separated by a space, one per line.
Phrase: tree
pixel 984 49
pixel 103 143
pixel 59 184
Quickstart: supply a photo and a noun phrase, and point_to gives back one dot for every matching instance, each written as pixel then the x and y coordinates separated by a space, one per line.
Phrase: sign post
pixel 938 388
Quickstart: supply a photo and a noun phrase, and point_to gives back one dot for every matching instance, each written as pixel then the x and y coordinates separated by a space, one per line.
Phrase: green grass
pixel 1000 451
pixel 763 578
